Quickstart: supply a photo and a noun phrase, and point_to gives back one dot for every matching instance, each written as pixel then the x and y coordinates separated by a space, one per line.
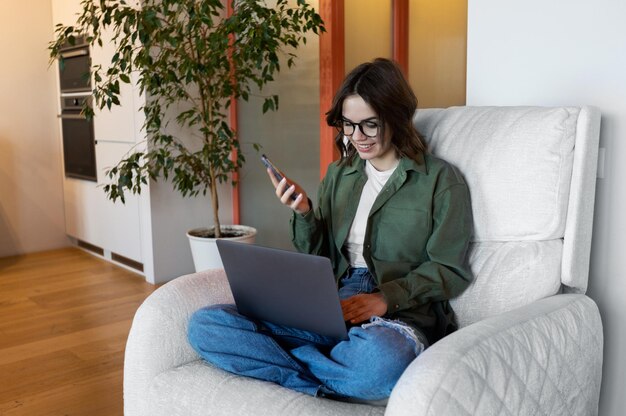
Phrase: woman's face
pixel 377 150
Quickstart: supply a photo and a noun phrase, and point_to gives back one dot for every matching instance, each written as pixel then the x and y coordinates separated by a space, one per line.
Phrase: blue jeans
pixel 366 366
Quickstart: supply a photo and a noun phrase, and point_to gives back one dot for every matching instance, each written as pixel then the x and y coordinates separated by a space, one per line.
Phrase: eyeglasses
pixel 368 127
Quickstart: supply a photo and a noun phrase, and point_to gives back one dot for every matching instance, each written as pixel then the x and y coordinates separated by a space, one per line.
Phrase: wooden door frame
pixel 400 33
pixel 332 71
pixel 332 63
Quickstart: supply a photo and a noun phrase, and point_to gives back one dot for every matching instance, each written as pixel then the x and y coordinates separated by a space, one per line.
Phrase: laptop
pixel 284 287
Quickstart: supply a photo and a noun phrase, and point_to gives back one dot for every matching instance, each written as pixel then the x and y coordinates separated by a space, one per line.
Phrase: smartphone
pixel 279 176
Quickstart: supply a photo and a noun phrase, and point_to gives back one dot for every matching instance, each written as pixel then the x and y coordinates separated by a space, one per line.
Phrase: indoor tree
pixel 188 57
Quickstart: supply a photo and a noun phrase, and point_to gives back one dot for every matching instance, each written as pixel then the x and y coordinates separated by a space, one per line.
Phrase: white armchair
pixel 530 341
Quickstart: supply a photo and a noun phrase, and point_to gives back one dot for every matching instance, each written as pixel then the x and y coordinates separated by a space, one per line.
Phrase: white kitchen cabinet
pixel 91 217
pixel 122 233
pixel 118 123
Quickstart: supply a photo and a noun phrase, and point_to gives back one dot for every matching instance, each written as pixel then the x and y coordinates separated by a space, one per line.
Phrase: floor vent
pixel 90 247
pixel 127 262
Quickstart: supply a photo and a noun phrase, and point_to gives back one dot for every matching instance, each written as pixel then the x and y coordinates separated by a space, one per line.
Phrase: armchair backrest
pixel 531 172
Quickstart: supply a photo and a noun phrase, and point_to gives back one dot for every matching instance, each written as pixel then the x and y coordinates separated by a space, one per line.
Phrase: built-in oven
pixel 79 151
pixel 79 146
pixel 74 67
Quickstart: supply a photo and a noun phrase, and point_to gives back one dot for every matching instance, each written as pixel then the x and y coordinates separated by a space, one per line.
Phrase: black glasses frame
pixel 339 126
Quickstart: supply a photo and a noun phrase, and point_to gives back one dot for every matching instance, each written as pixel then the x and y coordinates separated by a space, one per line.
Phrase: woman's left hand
pixel 362 307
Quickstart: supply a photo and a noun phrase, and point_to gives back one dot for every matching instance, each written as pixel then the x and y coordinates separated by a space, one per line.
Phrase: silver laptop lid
pixel 284 287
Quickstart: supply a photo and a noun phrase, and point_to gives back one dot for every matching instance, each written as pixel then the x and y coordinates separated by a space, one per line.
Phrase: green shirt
pixel 416 240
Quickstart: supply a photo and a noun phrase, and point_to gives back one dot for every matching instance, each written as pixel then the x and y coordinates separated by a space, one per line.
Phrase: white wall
pixel 560 53
pixel 31 190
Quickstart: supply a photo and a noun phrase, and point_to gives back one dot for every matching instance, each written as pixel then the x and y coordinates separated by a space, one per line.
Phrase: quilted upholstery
pixel 542 359
pixel 524 347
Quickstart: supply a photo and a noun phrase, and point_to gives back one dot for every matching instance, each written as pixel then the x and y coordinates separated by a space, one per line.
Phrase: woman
pixel 395 222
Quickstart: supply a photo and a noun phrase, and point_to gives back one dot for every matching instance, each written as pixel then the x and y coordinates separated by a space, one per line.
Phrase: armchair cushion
pixel 197 388
pixel 517 162
pixel 507 275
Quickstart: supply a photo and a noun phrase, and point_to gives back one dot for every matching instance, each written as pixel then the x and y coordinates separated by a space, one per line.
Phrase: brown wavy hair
pixel 382 85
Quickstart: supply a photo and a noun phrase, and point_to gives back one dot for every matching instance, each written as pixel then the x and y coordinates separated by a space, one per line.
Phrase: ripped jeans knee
pixel 416 337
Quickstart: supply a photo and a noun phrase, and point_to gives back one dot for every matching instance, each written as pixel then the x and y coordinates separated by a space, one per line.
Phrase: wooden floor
pixel 64 319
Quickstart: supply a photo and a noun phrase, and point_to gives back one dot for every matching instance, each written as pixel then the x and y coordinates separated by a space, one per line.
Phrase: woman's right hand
pixel 284 192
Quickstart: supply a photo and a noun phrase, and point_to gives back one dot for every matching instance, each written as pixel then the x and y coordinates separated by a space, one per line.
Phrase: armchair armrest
pixel 542 359
pixel 158 337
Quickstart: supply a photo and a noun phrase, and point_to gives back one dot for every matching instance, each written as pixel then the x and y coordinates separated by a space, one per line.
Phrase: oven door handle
pixel 74 54
pixel 72 116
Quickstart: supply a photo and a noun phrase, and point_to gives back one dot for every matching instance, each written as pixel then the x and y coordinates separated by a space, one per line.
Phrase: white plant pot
pixel 204 250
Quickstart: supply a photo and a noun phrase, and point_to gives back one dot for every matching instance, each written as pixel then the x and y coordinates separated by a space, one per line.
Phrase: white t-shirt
pixel 354 243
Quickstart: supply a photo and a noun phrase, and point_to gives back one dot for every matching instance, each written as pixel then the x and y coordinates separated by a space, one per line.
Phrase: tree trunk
pixel 216 205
